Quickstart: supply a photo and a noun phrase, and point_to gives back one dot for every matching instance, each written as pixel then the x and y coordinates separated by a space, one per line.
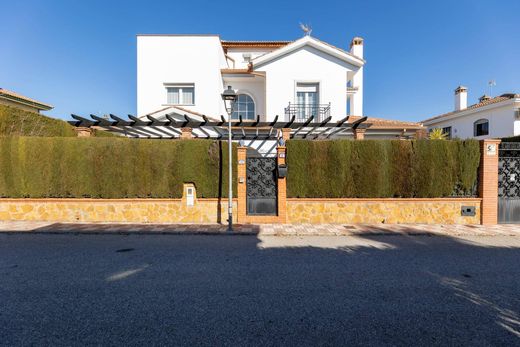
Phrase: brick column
pixel 421 134
pixel 241 189
pixel 286 134
pixel 488 181
pixel 185 134
pixel 282 187
pixel 359 134
pixel 83 131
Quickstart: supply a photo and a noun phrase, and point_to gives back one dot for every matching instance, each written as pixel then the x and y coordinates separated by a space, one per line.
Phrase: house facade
pixel 302 78
pixel 491 117
pixel 12 99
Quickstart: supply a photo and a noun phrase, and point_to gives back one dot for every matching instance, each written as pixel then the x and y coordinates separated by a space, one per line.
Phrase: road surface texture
pixel 136 290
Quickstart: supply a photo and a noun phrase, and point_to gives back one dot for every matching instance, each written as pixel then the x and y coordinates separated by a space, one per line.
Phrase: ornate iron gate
pixel 509 182
pixel 261 186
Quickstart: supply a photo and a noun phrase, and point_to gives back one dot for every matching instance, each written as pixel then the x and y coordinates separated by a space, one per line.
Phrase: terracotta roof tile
pixel 254 44
pixel 380 123
pixel 12 95
pixel 483 103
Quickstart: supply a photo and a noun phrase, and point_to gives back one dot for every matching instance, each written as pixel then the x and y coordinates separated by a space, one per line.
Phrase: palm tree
pixel 437 134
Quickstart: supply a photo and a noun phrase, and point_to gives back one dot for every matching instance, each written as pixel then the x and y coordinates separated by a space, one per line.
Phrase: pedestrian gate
pixel 261 186
pixel 509 182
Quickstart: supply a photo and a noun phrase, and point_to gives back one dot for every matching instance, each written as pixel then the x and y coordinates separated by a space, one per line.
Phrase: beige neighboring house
pixel 13 99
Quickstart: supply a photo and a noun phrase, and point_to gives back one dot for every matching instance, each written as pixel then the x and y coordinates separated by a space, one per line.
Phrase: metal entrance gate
pixel 261 186
pixel 509 182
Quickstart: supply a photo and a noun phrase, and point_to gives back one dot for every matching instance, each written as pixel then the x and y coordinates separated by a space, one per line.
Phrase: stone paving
pixel 264 229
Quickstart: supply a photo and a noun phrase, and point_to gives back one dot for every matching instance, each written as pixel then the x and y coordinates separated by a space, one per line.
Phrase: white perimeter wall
pixel 501 122
pixel 179 59
pixel 306 65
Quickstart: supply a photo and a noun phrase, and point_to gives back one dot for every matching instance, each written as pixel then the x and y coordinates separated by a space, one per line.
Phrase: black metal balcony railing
pixel 302 112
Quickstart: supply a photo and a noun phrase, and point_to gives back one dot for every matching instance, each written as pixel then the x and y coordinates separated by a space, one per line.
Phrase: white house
pixel 495 117
pixel 302 77
pixel 185 75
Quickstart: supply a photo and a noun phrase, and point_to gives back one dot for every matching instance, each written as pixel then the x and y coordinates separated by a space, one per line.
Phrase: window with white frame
pixel 481 127
pixel 245 107
pixel 180 94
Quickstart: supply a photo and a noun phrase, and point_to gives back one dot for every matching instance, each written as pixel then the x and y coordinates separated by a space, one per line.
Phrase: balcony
pixel 302 112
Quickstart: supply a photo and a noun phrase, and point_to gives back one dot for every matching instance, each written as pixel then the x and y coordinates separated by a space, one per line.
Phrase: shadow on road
pixel 166 289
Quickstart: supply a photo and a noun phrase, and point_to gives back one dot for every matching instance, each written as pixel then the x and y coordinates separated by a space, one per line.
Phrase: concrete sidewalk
pixel 263 229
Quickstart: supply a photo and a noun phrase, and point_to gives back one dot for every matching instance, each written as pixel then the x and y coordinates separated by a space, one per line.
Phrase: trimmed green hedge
pixel 17 122
pixel 38 167
pixel 381 168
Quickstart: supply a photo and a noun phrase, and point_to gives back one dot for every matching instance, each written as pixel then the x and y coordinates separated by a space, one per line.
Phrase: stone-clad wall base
pixel 398 211
pixel 117 210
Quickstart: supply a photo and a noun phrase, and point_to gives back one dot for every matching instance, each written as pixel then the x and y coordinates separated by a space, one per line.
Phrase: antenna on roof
pixel 491 84
pixel 307 30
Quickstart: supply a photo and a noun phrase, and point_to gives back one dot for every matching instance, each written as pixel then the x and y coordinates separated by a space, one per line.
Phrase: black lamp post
pixel 229 96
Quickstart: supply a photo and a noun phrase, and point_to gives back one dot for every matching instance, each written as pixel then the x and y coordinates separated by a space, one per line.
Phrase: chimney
pixel 356 47
pixel 484 98
pixel 461 98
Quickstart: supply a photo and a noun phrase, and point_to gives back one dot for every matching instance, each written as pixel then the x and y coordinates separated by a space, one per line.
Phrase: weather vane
pixel 307 30
pixel 491 84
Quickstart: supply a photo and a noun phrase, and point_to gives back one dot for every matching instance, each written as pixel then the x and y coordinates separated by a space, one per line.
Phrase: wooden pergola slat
pixel 151 127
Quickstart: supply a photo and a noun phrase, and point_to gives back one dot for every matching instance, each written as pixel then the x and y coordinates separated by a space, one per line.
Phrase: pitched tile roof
pixel 254 44
pixel 7 94
pixel 483 103
pixel 380 123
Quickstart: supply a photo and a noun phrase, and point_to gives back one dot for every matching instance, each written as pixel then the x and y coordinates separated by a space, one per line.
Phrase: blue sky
pixel 80 56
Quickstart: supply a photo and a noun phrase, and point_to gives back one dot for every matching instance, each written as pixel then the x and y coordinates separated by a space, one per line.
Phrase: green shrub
pixel 17 122
pixel 381 168
pixel 111 167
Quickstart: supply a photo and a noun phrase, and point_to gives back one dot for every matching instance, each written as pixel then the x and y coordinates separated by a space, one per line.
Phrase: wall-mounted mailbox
pixel 190 196
pixel 467 211
pixel 282 171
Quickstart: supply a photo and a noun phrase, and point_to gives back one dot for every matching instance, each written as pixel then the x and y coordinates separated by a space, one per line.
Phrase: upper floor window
pixel 481 127
pixel 447 131
pixel 183 94
pixel 245 107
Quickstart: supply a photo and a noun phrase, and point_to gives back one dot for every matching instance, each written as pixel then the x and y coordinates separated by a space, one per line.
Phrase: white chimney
pixel 461 98
pixel 356 47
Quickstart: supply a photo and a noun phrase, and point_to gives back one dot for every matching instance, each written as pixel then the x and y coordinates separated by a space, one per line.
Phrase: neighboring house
pixel 13 99
pixel 495 117
pixel 186 74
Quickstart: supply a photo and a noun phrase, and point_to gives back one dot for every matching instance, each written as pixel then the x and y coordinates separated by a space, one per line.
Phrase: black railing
pixel 303 111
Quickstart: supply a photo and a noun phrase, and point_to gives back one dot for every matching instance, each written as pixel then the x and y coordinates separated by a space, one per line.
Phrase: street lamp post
pixel 229 96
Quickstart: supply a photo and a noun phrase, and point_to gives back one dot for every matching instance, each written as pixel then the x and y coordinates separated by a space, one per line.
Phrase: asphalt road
pixel 242 290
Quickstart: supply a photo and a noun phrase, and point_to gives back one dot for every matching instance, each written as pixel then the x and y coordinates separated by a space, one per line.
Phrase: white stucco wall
pixel 237 55
pixel 253 86
pixel 501 118
pixel 306 65
pixel 179 59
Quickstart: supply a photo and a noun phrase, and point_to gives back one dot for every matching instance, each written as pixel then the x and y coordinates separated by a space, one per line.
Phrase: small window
pixel 245 107
pixel 447 131
pixel 180 94
pixel 481 127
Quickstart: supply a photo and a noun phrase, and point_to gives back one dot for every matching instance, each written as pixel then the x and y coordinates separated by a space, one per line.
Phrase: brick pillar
pixel 83 131
pixel 421 134
pixel 242 181
pixel 286 134
pixel 185 133
pixel 488 181
pixel 282 187
pixel 359 134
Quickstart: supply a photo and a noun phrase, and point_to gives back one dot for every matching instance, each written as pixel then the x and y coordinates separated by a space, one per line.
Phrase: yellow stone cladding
pixel 97 210
pixel 393 211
